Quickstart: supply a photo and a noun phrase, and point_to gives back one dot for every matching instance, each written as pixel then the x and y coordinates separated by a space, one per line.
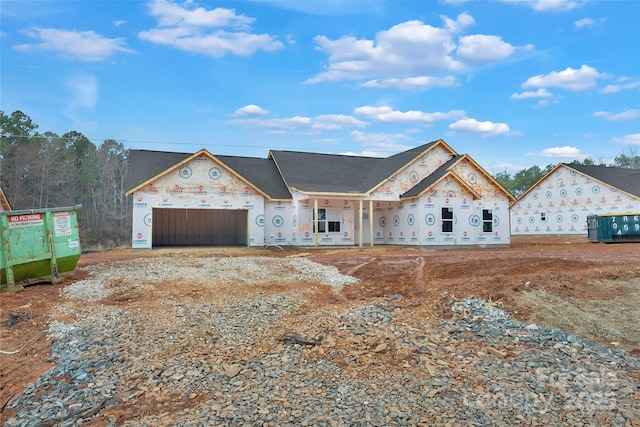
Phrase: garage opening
pixel 199 227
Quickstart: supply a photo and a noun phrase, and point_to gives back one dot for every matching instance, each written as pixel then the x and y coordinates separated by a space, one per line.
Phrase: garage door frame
pixel 188 226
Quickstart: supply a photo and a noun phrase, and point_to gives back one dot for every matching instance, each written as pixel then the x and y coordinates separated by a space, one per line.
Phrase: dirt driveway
pixel 590 290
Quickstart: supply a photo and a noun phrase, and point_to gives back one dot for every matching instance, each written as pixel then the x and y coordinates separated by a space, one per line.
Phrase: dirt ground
pixel 589 289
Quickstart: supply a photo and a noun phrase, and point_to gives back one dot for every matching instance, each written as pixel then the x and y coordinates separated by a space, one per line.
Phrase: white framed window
pixel 326 224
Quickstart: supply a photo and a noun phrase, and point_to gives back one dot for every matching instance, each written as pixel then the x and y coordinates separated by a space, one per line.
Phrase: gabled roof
pixel 306 172
pixel 332 173
pixel 146 164
pixel 4 202
pixel 447 170
pixel 438 175
pixel 625 180
pixel 261 174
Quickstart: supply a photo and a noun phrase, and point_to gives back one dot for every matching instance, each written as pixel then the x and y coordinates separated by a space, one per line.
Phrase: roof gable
pixel 627 180
pixel 333 173
pixel 260 174
pixel 438 176
pixel 447 170
pixel 144 165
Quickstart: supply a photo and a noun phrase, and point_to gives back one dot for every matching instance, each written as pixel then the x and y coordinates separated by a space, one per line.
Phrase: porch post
pixel 371 222
pixel 315 219
pixel 360 222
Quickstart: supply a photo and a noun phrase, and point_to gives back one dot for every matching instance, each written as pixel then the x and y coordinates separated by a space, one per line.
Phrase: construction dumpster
pixel 37 245
pixel 611 228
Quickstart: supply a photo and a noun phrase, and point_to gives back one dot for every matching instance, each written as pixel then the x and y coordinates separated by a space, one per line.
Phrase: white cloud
pixel 485 129
pixel 623 83
pixel 483 48
pixel 392 52
pixel 250 110
pixel 610 117
pixel 119 22
pixel 290 123
pixel 563 152
pixel 631 139
pixel 202 31
pixel 420 82
pixel 546 5
pixel 588 22
pixel 569 79
pixel 408 49
pixel 170 14
pixel 84 91
pixel 331 122
pixel 76 45
pixel 388 115
pixel 379 144
pixel 321 123
pixel 540 93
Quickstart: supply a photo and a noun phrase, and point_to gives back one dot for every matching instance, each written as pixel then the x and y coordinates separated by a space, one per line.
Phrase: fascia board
pixel 603 182
pixel 522 196
pixel 488 176
pixel 449 173
pixel 187 160
pixel 406 165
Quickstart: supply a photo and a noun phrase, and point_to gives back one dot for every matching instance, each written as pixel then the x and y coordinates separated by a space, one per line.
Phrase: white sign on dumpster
pixel 62 223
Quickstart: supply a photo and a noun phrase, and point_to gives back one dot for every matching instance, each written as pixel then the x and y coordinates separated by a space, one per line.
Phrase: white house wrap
pixel 561 201
pixel 426 196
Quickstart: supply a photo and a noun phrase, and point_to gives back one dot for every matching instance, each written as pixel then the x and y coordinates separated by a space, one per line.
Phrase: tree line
pixel 44 170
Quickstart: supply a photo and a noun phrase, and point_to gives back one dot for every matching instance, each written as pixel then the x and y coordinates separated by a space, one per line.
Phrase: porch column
pixel 371 222
pixel 315 220
pixel 360 222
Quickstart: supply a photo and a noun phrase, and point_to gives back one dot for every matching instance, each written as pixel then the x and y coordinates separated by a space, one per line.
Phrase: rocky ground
pixel 285 338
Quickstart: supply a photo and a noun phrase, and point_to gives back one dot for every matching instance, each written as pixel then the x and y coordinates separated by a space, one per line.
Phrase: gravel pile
pixel 242 355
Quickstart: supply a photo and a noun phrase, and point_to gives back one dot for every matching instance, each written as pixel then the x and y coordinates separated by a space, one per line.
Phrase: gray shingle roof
pixel 308 172
pixel 262 173
pixel 145 164
pixel 431 179
pixel 627 180
pixel 314 172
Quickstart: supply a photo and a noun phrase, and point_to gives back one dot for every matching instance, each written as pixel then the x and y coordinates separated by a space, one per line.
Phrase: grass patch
pixel 612 319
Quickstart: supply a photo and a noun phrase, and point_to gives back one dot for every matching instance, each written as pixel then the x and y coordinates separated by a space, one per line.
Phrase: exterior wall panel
pixel 199 184
pixel 561 203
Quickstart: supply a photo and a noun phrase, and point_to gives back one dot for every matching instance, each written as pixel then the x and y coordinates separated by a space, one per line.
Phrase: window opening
pixel 447 220
pixel 543 216
pixel 325 225
pixel 487 220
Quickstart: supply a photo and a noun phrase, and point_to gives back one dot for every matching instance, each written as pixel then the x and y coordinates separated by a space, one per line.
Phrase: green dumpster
pixel 37 245
pixel 611 228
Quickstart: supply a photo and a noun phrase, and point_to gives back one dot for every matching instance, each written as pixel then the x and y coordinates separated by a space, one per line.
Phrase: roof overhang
pixel 487 175
pixel 201 152
pixel 448 175
pixel 439 142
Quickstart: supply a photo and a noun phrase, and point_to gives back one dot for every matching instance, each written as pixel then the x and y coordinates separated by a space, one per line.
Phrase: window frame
pixel 446 220
pixel 487 220
pixel 325 225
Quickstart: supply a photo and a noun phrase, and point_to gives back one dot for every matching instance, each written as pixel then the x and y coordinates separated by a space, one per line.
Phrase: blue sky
pixel 511 83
